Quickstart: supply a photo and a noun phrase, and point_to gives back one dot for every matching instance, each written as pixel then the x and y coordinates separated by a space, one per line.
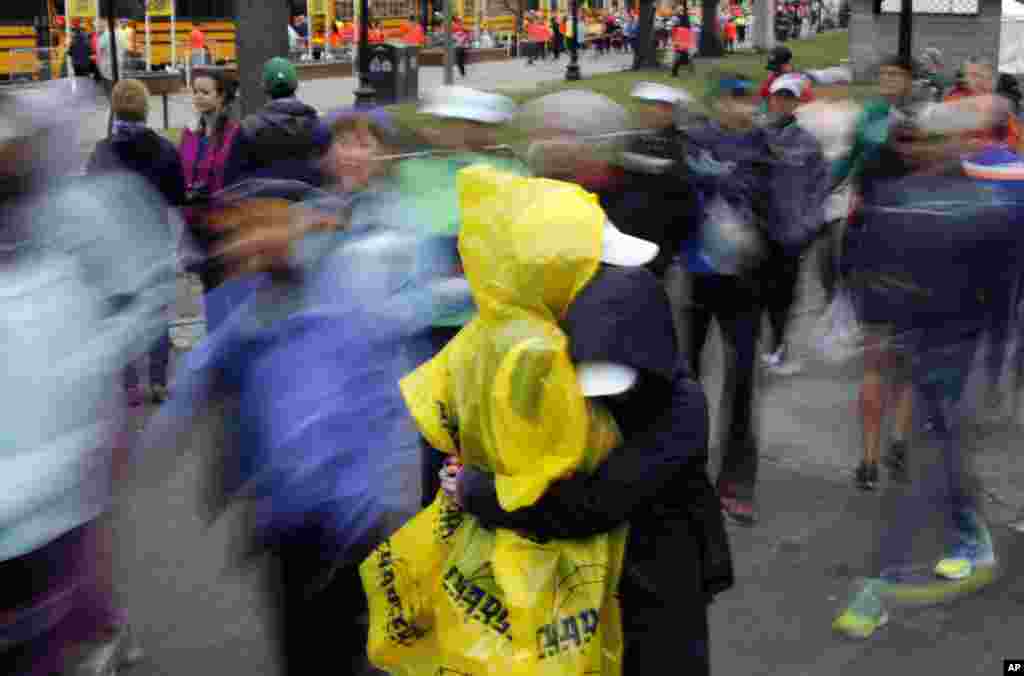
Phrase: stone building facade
pixel 959 36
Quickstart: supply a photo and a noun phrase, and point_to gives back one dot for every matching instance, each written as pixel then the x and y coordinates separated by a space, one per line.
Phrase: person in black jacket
pixel 557 39
pixel 285 140
pixel 81 53
pixel 654 198
pixel 678 556
pixel 135 147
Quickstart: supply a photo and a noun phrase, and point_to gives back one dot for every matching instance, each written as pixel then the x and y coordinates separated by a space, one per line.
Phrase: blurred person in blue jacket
pixel 760 194
pixel 339 292
pixel 799 190
pixel 136 148
pixel 85 272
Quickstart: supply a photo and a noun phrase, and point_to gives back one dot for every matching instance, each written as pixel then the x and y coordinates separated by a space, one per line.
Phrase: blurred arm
pixel 629 480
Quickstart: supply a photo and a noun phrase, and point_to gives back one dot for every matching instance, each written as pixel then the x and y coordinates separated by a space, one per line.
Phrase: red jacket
pixel 682 39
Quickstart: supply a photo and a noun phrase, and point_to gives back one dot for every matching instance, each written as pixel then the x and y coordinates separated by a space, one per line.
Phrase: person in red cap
pixel 779 63
pixel 81 51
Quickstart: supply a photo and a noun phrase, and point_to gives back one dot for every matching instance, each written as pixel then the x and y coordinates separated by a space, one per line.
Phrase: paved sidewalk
pixel 794 572
pixel 795 569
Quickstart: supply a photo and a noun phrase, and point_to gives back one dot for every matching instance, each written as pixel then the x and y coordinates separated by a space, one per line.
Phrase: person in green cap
pixel 286 140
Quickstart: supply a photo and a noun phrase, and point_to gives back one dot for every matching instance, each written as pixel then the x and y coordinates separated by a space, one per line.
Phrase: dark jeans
pixel 61 584
pixel 783 280
pixel 460 60
pixel 656 635
pixel 1001 323
pixel 318 619
pixel 946 483
pixel 737 308
pixel 159 358
pixel 556 48
pixel 682 59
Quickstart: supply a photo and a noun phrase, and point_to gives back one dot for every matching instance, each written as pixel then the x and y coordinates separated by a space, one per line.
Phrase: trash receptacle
pixel 381 63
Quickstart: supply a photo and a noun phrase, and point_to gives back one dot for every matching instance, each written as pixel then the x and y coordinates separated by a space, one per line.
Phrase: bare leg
pixel 903 399
pixel 872 399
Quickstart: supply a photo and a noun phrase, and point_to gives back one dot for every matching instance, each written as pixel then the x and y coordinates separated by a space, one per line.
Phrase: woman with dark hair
pixel 211 161
pixel 207 152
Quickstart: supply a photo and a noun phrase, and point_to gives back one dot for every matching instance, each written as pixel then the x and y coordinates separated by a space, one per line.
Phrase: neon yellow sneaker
pixel 864 615
pixel 973 550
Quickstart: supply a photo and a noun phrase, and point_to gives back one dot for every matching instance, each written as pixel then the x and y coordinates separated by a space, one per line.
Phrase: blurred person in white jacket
pixel 85 270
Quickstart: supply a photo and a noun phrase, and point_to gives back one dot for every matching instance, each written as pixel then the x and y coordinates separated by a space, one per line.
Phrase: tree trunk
pixel 710 31
pixel 646 53
pixel 261 35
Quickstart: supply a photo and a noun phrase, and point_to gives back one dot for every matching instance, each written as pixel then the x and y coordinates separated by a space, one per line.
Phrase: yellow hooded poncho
pixel 446 595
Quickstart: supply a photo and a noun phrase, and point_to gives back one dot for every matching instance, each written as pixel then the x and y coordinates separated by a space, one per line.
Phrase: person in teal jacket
pixel 895 84
pixel 884 372
pixel 428 184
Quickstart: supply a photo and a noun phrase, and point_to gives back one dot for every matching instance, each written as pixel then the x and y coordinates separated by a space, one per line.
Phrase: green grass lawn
pixel 822 51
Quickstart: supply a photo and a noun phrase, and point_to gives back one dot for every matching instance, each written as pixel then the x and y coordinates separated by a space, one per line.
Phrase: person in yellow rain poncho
pixel 556 387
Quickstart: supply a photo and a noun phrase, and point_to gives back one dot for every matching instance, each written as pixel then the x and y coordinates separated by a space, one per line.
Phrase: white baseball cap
pixel 625 250
pixel 793 83
pixel 464 103
pixel 659 93
pixel 604 378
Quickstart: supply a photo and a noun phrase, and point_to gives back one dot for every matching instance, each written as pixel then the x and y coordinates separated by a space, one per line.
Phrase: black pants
pixel 460 60
pixel 682 59
pixel 657 635
pixel 741 34
pixel 736 306
pixel 946 481
pixel 317 622
pixel 783 280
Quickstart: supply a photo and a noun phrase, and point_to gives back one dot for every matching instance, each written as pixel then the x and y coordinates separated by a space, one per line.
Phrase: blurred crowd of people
pixel 339 257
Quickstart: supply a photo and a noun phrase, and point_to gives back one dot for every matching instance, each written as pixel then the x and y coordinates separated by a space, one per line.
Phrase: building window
pixel 952 7
pixel 381 9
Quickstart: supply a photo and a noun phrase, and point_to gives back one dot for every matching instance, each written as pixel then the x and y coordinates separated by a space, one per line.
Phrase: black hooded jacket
pixel 650 202
pixel 284 141
pixel 656 481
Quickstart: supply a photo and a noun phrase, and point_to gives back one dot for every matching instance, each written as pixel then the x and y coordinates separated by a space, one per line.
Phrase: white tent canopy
pixel 1011 38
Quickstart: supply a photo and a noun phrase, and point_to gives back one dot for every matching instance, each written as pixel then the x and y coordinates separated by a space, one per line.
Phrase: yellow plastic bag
pixel 446 595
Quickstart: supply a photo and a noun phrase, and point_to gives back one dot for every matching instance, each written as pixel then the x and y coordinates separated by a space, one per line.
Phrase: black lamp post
pixel 366 95
pixel 906 29
pixel 115 67
pixel 572 71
